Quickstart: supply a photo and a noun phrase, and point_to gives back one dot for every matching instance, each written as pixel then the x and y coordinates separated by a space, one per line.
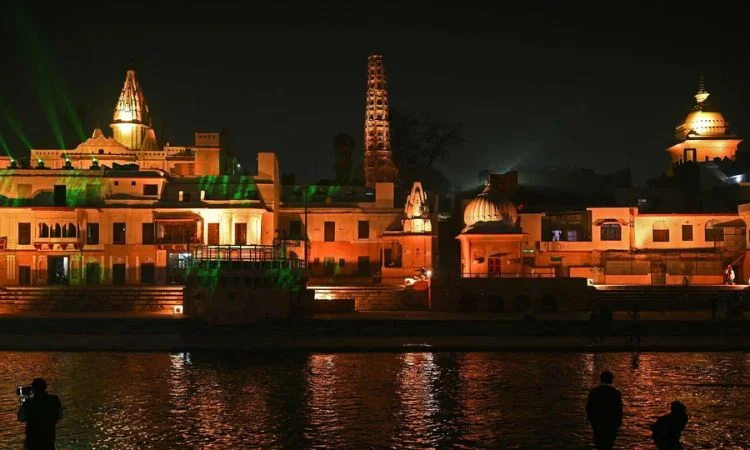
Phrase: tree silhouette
pixel 344 147
pixel 418 143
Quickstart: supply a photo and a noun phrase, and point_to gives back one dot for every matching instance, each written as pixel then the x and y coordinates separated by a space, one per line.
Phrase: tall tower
pixel 131 124
pixel 378 162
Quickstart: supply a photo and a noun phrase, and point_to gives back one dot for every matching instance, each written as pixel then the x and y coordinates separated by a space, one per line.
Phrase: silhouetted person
pixel 668 429
pixel 604 412
pixel 41 413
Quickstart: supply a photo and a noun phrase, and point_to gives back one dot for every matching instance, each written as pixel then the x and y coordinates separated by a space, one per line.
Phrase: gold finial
pixel 702 94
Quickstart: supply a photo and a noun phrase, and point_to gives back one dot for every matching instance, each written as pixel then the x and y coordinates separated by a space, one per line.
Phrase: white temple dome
pixel 490 206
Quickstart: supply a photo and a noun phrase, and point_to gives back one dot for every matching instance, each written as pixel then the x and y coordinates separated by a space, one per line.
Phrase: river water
pixel 373 400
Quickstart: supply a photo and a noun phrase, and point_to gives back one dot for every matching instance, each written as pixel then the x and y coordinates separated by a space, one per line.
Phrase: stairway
pixel 136 299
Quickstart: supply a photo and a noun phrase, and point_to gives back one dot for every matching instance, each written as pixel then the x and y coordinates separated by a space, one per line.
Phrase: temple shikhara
pixel 122 208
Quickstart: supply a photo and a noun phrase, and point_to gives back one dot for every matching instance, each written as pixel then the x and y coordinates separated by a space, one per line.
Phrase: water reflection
pixel 423 400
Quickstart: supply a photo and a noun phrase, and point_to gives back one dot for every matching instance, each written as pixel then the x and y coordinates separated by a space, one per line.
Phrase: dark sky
pixel 597 85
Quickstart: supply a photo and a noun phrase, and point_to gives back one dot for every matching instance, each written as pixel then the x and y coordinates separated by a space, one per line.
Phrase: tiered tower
pixel 131 124
pixel 378 162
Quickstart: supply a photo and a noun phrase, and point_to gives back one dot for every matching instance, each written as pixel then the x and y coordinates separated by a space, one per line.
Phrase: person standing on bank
pixel 668 428
pixel 604 412
pixel 41 413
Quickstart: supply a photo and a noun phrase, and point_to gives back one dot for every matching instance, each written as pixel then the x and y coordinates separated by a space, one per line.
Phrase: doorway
pixel 148 273
pixel 658 273
pixel 177 267
pixel 58 270
pixel 93 273
pixel 118 274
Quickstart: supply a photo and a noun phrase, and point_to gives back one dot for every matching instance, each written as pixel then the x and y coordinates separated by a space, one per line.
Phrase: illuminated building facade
pixel 608 245
pixel 125 210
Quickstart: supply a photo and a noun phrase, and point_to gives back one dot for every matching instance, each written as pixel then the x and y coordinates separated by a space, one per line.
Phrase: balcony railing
pixel 178 240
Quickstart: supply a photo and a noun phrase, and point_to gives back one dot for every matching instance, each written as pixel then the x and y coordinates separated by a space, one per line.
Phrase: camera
pixel 24 393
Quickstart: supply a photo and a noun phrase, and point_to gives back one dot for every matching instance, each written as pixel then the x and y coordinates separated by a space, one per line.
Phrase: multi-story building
pixel 126 210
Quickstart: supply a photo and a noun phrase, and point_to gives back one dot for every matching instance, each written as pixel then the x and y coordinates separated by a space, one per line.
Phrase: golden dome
pixel 703 120
pixel 705 123
pixel 489 206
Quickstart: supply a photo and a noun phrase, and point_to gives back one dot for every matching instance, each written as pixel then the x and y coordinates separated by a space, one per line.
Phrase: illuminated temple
pixel 629 241
pixel 123 209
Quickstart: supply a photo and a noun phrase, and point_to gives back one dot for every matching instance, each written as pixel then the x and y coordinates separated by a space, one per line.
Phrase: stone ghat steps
pixel 150 299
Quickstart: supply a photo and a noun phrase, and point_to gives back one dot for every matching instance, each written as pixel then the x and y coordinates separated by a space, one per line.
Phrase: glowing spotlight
pixel 177 309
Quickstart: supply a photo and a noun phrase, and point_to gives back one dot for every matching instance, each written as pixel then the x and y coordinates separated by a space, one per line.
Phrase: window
pixel 117 183
pixel 132 183
pixel 661 236
pixel 363 230
pixel 43 230
pixel 687 232
pixel 71 230
pixel 24 233
pixel 92 233
pixel 295 229
pixel 213 234
pixel 118 233
pixel 661 231
pixel 342 263
pixel 60 196
pixel 714 234
pixel 186 197
pixel 150 189
pixel 572 235
pixel 55 231
pixel 240 234
pixel 330 232
pixel 147 233
pixel 611 232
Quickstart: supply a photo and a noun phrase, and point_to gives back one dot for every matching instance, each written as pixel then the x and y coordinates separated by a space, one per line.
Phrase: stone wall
pixel 374 298
pixel 512 294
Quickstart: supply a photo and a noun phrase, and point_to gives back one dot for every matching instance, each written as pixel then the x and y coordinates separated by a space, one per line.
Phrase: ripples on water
pixel 373 400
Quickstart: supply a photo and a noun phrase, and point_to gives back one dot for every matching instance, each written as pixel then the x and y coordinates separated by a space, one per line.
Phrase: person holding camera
pixel 41 412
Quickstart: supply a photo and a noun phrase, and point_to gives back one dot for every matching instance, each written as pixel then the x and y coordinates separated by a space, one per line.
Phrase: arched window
pixel 611 231
pixel 55 231
pixel 43 230
pixel 71 230
pixel 713 233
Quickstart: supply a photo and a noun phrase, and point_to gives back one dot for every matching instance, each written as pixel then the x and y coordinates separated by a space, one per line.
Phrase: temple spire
pixel 131 121
pixel 378 162
pixel 702 93
pixel 131 106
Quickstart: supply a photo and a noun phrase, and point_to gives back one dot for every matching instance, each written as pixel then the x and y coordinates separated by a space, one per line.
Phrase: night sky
pixel 599 86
